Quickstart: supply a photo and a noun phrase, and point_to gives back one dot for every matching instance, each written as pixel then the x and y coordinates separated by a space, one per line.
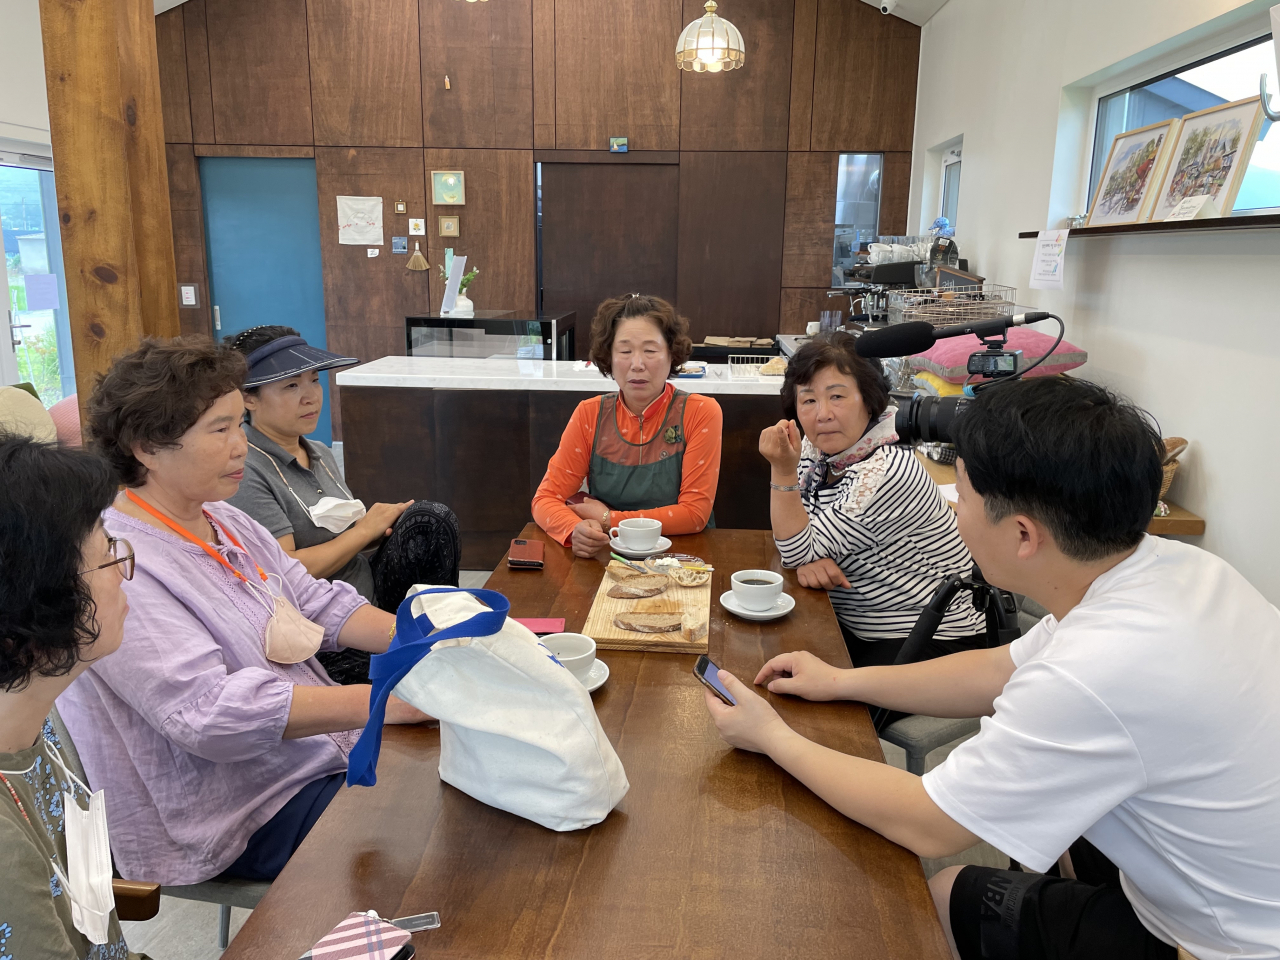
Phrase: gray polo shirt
pixel 274 481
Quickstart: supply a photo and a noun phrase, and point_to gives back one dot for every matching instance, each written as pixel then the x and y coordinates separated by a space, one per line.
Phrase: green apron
pixel 638 476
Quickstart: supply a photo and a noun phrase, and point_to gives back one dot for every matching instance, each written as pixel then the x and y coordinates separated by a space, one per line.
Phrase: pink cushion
pixel 949 358
pixel 66 417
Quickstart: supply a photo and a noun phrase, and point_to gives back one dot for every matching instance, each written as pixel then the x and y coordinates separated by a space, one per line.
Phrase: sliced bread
pixel 649 622
pixel 693 631
pixel 617 570
pixel 638 586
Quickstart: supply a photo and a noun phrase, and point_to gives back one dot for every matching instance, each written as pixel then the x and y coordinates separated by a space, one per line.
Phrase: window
pixel 37 291
pixel 951 186
pixel 857 209
pixel 1222 78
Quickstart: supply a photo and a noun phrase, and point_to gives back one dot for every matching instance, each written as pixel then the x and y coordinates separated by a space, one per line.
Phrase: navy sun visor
pixel 287 357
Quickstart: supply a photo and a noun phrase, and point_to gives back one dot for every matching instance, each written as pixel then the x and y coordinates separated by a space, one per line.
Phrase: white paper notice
pixel 1194 208
pixel 360 221
pixel 372 251
pixel 451 285
pixel 1051 253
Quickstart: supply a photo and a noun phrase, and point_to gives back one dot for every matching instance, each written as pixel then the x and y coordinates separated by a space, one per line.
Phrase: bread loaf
pixel 649 622
pixel 638 586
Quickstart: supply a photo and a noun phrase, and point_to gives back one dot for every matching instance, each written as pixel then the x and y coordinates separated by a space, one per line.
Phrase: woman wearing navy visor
pixel 292 486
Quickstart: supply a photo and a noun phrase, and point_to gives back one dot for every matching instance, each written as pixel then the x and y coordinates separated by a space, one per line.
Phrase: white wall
pixel 24 107
pixel 1186 325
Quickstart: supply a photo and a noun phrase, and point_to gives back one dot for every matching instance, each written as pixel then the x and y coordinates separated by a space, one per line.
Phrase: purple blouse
pixel 183 725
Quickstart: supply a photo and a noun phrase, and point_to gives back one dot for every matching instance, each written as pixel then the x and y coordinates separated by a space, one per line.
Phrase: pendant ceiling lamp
pixel 710 44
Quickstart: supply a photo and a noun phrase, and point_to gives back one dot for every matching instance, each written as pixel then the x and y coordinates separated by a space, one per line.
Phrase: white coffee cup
pixel 812 328
pixel 575 650
pixel 638 533
pixel 756 589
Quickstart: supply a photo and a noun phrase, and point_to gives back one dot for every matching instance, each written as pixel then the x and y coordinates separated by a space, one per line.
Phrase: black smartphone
pixel 404 953
pixel 707 671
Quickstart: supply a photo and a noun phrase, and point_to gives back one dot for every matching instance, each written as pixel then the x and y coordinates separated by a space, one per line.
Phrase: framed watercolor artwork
pixel 450 226
pixel 448 189
pixel 1129 181
pixel 1210 155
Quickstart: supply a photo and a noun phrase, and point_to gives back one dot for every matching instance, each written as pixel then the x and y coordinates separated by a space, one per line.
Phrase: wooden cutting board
pixel 694 601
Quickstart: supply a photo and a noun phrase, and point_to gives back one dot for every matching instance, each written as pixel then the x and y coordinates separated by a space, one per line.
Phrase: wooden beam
pixel 107 133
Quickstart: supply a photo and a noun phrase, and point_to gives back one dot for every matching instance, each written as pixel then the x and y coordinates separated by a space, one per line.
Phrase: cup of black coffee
pixel 756 589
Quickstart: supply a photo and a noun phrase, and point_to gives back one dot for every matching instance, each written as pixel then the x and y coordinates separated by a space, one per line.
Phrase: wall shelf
pixel 1180 226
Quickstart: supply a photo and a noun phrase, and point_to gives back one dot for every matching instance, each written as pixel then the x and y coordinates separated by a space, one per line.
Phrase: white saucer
pixel 781 607
pixel 598 674
pixel 662 546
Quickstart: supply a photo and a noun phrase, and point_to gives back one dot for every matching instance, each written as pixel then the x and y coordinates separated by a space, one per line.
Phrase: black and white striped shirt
pixel 893 534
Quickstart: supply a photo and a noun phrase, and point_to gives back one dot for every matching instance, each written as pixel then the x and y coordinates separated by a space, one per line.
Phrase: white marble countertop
pixel 463 374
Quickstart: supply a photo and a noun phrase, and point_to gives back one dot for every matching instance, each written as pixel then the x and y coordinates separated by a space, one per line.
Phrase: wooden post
pixel 109 170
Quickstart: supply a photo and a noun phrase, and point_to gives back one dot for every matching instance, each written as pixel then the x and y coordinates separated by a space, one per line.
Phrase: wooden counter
pixel 1180 522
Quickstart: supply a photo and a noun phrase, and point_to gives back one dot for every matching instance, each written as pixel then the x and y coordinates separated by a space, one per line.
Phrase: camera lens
pixel 928 418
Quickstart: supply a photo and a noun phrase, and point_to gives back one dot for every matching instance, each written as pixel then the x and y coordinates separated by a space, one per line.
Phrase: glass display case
pixel 491 334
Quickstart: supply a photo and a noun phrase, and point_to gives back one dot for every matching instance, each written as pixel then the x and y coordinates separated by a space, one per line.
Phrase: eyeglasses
pixel 122 551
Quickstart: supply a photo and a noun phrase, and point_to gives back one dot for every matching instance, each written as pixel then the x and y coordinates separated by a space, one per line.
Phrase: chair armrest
pixel 136 900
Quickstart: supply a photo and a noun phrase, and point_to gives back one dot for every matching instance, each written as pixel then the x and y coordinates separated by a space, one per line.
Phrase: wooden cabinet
pixel 486 51
pixel 730 242
pixel 497 227
pixel 616 74
pixel 258 71
pixel 366 72
pixel 747 108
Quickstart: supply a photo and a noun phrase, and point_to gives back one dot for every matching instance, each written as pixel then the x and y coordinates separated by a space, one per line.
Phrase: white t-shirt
pixel 1147 721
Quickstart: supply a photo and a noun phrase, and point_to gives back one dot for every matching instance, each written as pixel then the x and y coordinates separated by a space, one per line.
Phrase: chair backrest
pixel 66 747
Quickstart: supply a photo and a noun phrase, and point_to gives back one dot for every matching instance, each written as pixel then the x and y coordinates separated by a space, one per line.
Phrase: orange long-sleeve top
pixel 700 469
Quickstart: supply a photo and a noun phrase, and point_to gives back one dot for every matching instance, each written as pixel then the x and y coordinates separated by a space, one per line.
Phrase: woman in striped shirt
pixel 858 515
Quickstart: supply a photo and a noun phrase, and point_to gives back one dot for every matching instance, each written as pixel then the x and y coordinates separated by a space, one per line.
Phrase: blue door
pixel 262 227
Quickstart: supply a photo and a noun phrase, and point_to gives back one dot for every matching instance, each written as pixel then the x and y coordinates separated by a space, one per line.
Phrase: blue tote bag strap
pixel 412 642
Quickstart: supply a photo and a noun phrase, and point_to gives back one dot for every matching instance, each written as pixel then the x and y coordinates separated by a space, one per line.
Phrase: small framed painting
pixel 450 226
pixel 402 207
pixel 1210 155
pixel 1129 181
pixel 448 188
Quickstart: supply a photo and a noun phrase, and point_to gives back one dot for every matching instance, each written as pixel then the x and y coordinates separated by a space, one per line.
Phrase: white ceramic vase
pixel 463 307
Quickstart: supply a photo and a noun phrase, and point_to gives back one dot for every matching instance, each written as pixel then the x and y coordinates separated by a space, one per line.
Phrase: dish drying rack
pixel 743 367
pixel 948 306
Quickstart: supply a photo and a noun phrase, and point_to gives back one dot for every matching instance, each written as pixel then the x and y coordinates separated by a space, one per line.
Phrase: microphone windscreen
pixel 896 340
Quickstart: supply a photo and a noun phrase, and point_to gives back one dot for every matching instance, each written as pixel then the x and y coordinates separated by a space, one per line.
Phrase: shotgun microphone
pixel 916 336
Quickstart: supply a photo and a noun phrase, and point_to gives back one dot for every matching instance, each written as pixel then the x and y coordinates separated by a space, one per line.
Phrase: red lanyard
pixel 180 531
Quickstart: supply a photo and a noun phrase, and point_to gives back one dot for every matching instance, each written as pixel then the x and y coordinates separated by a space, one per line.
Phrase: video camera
pixel 930 418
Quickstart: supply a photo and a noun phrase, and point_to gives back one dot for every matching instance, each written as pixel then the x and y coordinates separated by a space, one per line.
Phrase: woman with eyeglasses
pixel 61 611
pixel 293 487
pixel 217 733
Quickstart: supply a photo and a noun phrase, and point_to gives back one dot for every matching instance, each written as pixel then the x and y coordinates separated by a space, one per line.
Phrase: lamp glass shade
pixel 710 44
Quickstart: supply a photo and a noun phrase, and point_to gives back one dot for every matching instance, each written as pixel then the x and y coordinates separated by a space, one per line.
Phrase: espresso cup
pixel 638 533
pixel 576 651
pixel 756 589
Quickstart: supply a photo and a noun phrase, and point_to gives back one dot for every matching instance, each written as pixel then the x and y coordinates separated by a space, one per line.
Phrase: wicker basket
pixel 1174 446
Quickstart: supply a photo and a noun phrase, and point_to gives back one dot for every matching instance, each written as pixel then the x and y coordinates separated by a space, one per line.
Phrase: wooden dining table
pixel 713 853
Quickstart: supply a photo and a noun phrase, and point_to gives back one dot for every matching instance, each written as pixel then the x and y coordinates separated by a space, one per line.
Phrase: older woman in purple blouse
pixel 217 735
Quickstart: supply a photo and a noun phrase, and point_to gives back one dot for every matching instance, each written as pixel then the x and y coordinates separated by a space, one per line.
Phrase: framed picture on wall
pixel 1131 178
pixel 1210 155
pixel 448 189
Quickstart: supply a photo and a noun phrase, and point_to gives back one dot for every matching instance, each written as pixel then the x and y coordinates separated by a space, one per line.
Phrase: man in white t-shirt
pixel 1130 742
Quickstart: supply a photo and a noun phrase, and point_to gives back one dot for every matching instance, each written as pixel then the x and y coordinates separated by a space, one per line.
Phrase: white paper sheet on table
pixel 360 221
pixel 949 491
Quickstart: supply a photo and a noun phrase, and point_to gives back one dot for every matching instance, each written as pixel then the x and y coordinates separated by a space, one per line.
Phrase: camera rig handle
pixel 997 604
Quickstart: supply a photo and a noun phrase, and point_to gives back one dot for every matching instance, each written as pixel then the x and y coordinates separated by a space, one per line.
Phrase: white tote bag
pixel 517 729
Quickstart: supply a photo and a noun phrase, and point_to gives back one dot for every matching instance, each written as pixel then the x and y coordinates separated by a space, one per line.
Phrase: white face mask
pixel 334 514
pixel 330 513
pixel 88 863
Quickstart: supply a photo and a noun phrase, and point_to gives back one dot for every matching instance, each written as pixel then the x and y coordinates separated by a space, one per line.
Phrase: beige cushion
pixel 24 415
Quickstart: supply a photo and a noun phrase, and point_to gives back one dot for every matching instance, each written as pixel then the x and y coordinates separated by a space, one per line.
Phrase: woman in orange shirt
pixel 649 450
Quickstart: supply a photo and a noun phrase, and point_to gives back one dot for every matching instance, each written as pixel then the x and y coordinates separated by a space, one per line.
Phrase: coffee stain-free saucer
pixel 598 674
pixel 662 546
pixel 781 607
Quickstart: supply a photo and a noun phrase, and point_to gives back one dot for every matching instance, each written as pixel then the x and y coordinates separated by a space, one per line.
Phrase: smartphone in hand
pixel 709 674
